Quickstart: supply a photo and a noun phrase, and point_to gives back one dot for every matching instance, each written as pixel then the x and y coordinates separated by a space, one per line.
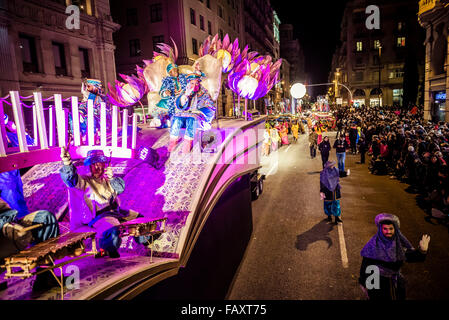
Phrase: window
pixel 156 40
pixel 192 17
pixel 59 59
pixel 359 76
pixel 220 34
pixel 156 12
pixel 397 95
pixel 134 48
pixel 401 26
pixel 229 20
pixel 80 3
pixel 209 27
pixel 194 46
pixel 398 92
pixel 84 62
pixel 376 60
pixel 376 44
pixel 208 3
pixel 220 11
pixel 131 17
pixel 29 57
pixel 359 46
pixel 201 22
pixel 395 74
pixel 401 42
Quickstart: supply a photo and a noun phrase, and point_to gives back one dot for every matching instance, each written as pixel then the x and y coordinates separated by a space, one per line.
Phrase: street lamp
pixel 380 55
pixel 297 91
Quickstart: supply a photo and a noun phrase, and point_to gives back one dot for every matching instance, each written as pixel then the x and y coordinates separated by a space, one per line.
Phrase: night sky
pixel 317 26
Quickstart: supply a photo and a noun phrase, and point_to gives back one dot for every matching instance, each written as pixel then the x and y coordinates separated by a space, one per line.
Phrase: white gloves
pixel 109 173
pixel 322 195
pixel 184 99
pixel 189 89
pixel 65 156
pixel 424 243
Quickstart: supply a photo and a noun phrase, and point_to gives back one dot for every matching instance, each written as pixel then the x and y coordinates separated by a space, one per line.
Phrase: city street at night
pixel 227 152
pixel 296 254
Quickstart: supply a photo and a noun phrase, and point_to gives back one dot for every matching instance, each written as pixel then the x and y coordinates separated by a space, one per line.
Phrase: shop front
pixel 375 97
pixel 439 106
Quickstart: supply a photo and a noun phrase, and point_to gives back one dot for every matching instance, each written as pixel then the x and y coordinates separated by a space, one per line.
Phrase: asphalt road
pixel 294 254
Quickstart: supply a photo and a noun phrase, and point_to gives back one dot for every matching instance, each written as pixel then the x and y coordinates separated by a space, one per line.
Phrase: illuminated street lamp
pixel 297 91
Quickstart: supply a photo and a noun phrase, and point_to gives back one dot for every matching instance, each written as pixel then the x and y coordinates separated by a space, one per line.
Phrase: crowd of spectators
pixel 403 146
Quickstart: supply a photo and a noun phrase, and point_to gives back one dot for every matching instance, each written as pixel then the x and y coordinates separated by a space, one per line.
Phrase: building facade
pixel 434 18
pixel 380 66
pixel 292 51
pixel 39 52
pixel 188 22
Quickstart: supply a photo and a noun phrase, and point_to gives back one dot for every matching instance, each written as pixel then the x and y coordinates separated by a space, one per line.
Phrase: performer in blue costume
pixel 195 110
pixel 172 86
pixel 100 189
pixel 92 89
pixel 15 237
pixel 11 186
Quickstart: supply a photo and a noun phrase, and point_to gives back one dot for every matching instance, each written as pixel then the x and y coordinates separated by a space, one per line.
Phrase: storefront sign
pixel 426 5
pixel 440 95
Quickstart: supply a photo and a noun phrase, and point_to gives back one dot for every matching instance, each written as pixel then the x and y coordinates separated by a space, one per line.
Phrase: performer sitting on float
pixel 11 187
pixel 195 109
pixel 172 87
pixel 17 234
pixel 100 190
pixel 91 89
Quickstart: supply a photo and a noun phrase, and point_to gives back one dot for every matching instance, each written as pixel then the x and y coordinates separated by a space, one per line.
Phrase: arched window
pixel 359 93
pixel 376 92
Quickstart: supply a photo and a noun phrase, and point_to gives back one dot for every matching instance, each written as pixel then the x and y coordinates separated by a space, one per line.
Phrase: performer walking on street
pixel 325 148
pixel 330 191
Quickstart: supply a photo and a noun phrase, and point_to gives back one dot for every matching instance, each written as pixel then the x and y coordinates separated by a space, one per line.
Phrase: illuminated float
pixel 188 200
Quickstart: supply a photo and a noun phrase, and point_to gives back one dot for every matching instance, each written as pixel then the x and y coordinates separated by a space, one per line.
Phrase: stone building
pixel 39 52
pixel 380 66
pixel 434 18
pixel 188 22
pixel 292 51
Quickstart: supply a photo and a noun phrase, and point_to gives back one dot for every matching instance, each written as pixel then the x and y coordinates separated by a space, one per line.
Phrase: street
pixel 294 254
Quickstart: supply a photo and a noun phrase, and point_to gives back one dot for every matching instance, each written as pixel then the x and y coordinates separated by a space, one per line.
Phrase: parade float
pixel 194 202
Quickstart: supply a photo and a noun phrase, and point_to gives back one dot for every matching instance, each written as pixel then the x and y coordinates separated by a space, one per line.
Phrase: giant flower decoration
pixel 225 50
pixel 128 93
pixel 254 76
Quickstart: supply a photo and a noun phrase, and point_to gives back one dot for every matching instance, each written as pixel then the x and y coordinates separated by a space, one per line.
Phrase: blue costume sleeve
pixel 165 85
pixel 118 184
pixel 7 216
pixel 69 175
pixel 11 191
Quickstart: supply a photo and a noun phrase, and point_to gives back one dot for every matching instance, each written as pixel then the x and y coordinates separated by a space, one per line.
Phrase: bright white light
pixel 248 86
pixel 298 90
